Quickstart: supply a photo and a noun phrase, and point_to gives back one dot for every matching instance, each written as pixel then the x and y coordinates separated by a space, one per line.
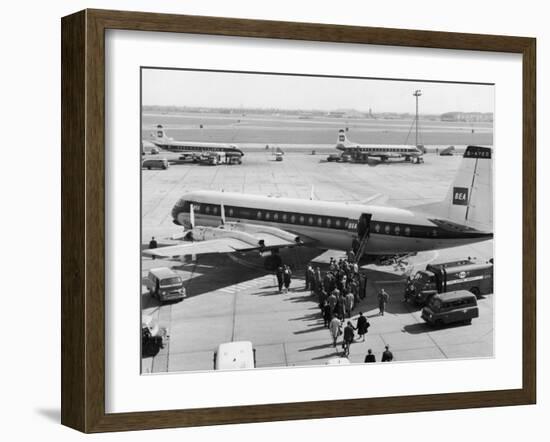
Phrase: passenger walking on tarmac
pixel 370 357
pixel 332 301
pixel 383 299
pixel 362 325
pixel 327 314
pixel 153 244
pixel 287 277
pixel 351 256
pixel 349 303
pixel 349 335
pixel 387 356
pixel 340 306
pixel 318 278
pixel 335 328
pixel 332 264
pixel 279 272
pixel 322 297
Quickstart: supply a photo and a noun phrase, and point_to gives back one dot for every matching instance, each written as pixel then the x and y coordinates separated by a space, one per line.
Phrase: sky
pixel 164 87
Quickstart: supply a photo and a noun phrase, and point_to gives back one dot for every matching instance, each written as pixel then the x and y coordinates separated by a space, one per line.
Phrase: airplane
pixel 225 222
pixel 381 151
pixel 160 140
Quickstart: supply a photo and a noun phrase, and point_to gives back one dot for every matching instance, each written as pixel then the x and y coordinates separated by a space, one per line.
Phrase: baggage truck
pixel 448 277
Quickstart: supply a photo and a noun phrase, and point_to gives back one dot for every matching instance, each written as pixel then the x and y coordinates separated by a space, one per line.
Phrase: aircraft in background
pixel 224 222
pixel 381 151
pixel 160 140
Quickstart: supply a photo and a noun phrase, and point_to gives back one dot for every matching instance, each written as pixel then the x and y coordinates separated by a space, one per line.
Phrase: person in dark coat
pixel 362 325
pixel 370 357
pixel 349 335
pixel 387 356
pixel 153 244
pixel 287 277
pixel 327 314
pixel 279 272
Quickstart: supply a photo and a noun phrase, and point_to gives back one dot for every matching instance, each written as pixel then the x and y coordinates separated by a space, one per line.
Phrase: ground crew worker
pixel 279 272
pixel 387 356
pixel 383 299
pixel 310 278
pixel 153 245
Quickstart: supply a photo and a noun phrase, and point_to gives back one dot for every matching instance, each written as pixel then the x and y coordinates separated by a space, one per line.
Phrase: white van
pixel 165 284
pixel 235 356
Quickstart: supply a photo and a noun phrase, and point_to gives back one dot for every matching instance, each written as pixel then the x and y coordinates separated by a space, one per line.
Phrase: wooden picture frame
pixel 83 219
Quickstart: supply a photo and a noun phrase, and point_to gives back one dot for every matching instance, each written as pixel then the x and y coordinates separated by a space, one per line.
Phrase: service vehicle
pixel 189 157
pixel 334 157
pixel 165 284
pixel 156 163
pixel 154 151
pixel 446 277
pixel 233 159
pixel 278 156
pixel 451 307
pixel 213 158
pixel 235 356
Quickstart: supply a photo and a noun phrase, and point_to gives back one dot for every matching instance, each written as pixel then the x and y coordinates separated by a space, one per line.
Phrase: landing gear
pixel 272 261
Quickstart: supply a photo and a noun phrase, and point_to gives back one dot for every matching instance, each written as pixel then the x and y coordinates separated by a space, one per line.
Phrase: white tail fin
pixel 159 133
pixel 469 200
pixel 342 140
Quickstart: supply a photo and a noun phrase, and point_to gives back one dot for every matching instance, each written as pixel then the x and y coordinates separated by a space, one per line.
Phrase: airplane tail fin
pixel 159 133
pixel 342 141
pixel 469 200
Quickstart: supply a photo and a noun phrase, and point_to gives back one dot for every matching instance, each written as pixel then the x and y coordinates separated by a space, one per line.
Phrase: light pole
pixel 417 93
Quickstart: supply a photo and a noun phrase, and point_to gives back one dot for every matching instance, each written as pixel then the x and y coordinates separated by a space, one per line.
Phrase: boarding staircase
pixel 362 247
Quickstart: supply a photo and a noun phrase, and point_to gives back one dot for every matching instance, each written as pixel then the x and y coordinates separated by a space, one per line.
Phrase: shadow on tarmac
pixel 424 327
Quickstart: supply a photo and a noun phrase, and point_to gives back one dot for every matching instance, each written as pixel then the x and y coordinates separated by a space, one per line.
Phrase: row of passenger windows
pixel 313 220
pixel 275 216
pixel 380 149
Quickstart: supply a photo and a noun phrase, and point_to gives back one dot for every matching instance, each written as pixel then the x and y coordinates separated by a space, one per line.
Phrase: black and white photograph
pixel 306 220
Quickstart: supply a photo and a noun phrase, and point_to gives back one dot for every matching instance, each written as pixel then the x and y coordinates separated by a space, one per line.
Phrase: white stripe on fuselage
pixel 379 243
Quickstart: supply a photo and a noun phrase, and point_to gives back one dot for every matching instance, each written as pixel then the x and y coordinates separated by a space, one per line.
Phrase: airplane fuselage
pixel 197 147
pixel 382 151
pixel 330 225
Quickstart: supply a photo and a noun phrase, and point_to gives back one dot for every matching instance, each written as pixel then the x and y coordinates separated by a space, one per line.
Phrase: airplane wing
pixel 230 242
